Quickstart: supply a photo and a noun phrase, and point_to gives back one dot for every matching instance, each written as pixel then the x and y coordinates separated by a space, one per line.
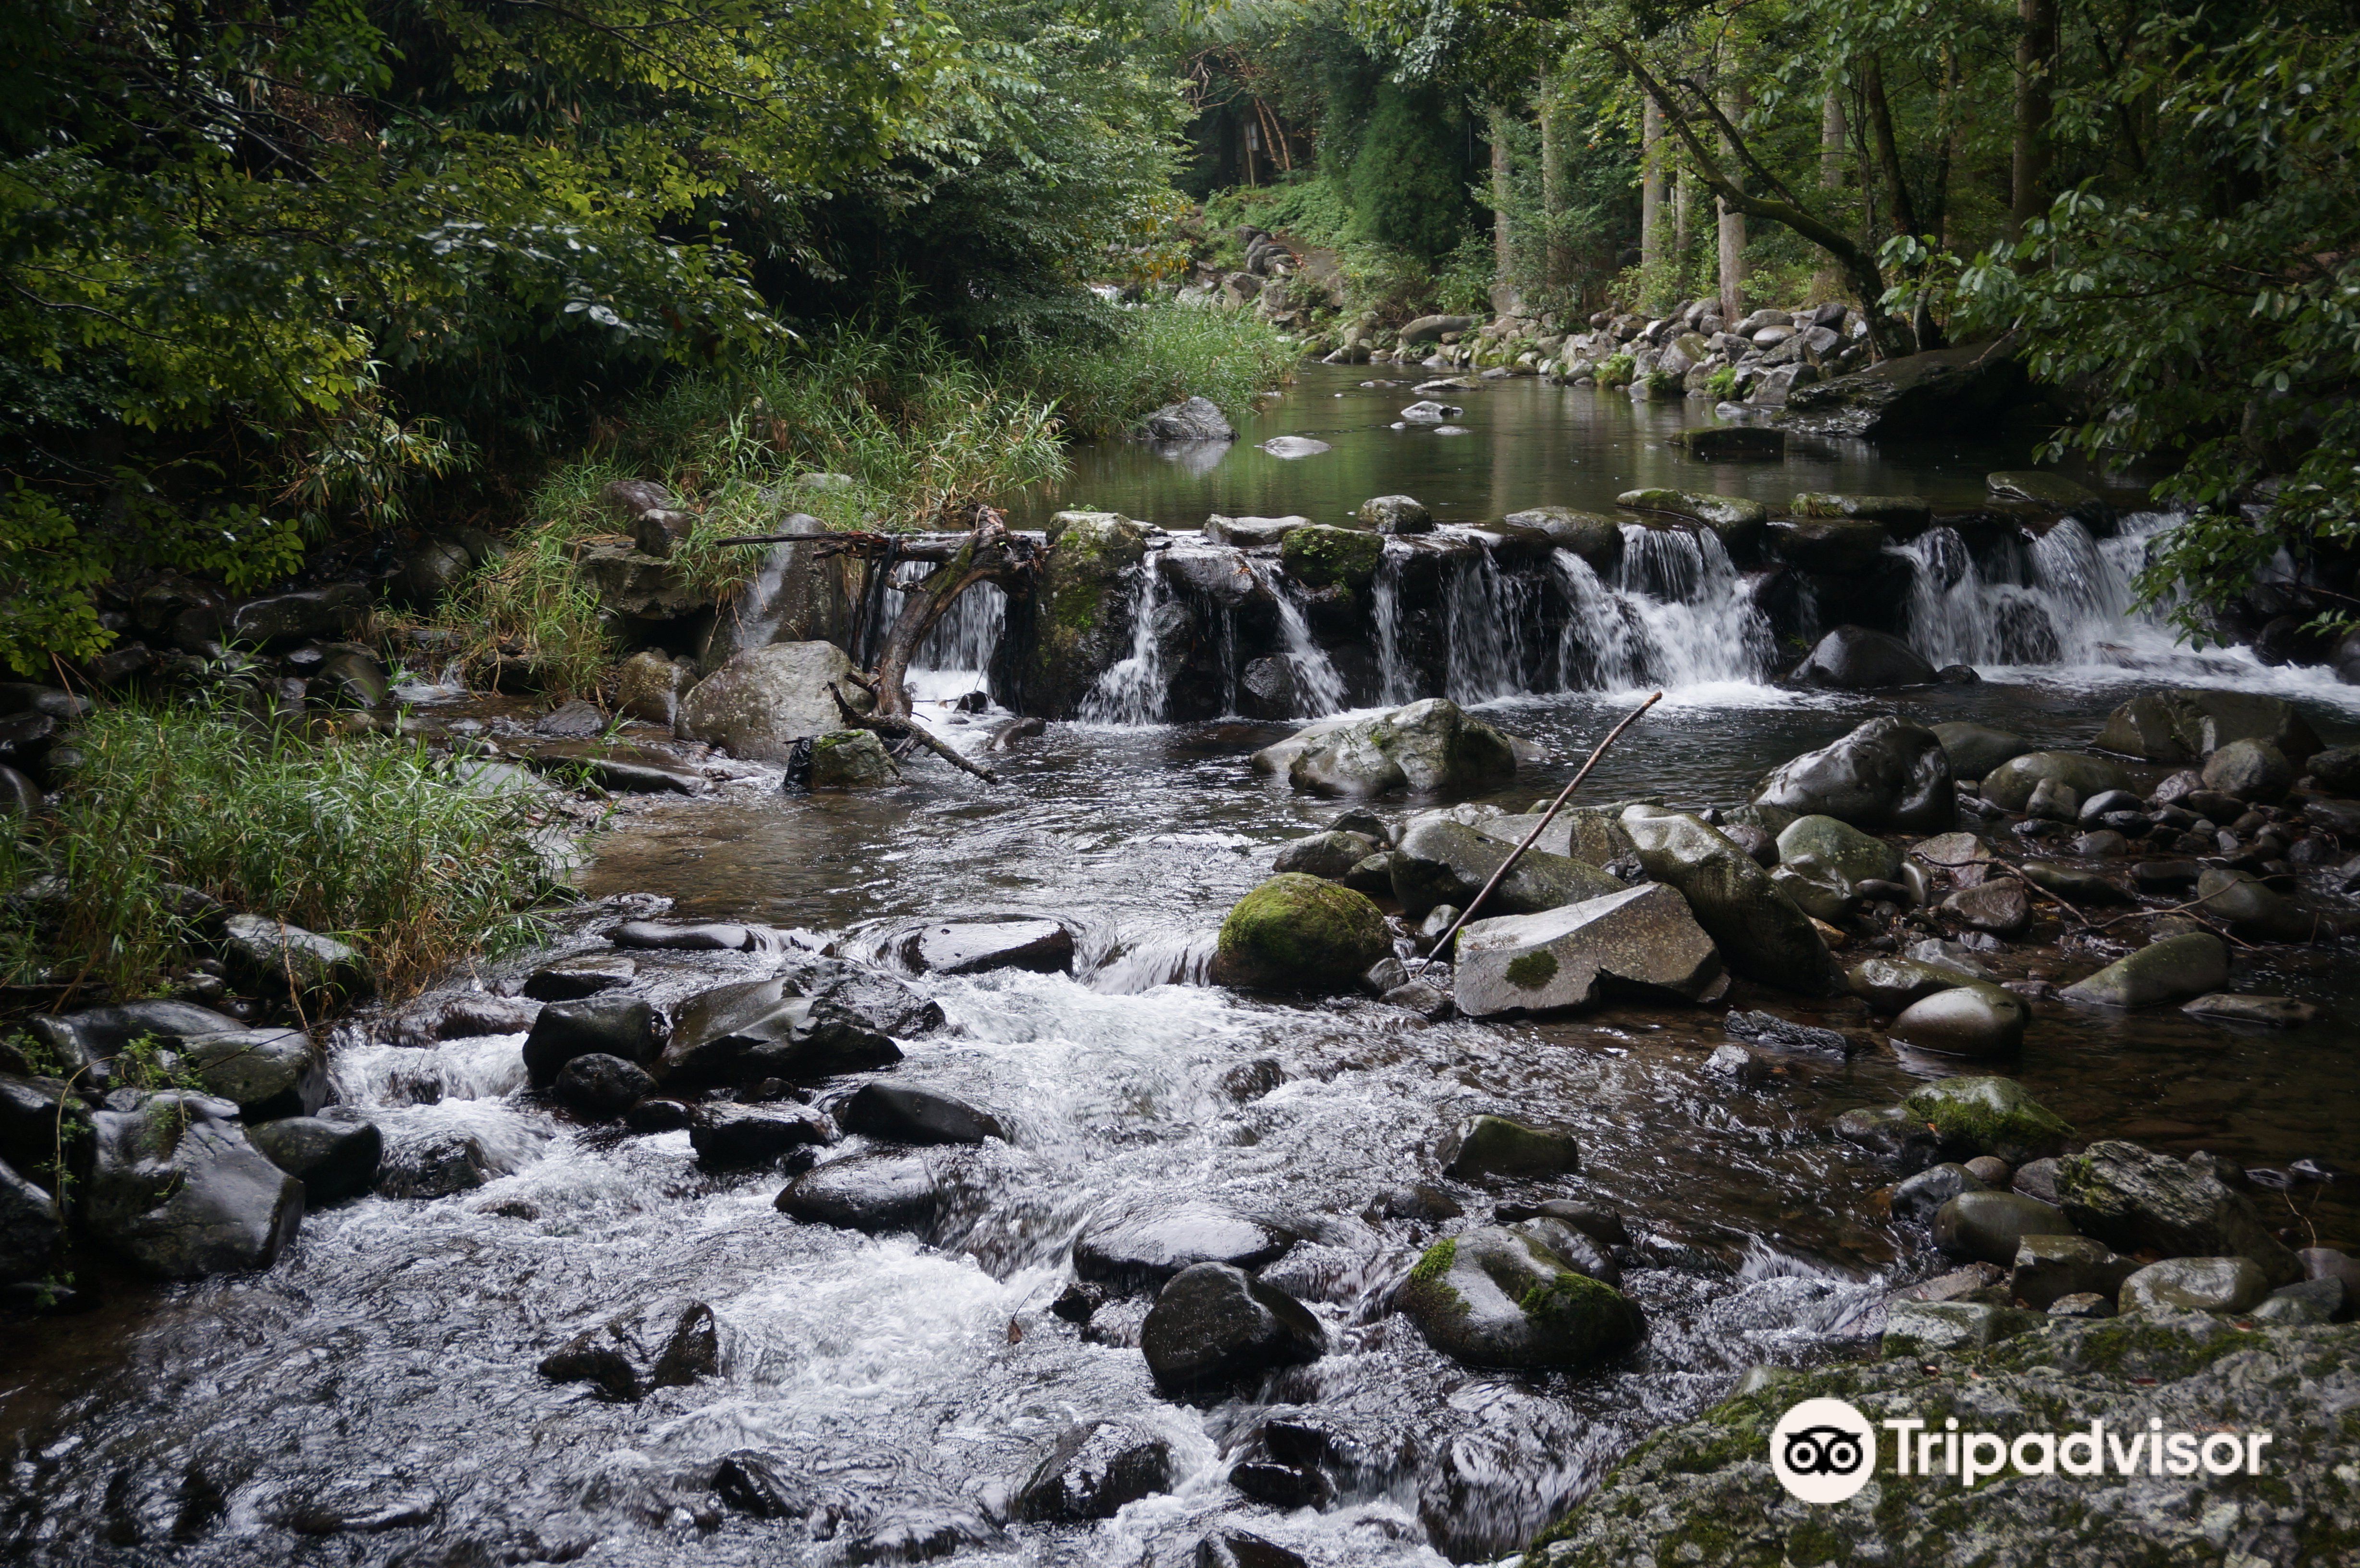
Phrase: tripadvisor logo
pixel 1824 1450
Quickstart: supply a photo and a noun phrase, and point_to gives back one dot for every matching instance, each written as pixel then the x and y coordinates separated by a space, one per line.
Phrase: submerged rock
pixel 1490 1297
pixel 973 947
pixel 1148 1243
pixel 1296 932
pixel 1760 934
pixel 1638 936
pixel 1494 1145
pixel 1885 775
pixel 1214 1324
pixel 2170 970
pixel 1428 747
pixel 2249 908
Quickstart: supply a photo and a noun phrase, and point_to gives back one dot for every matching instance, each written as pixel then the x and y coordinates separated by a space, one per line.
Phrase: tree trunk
pixel 1888 150
pixel 1733 103
pixel 1683 228
pixel 1502 257
pixel 1651 193
pixel 1557 267
pixel 2036 60
pixel 1828 282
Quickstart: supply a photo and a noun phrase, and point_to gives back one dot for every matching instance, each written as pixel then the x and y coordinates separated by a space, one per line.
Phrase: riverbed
pixel 373 1399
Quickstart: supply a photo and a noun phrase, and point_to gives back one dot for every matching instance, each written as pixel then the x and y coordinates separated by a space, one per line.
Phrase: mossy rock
pixel 1495 1145
pixel 1492 1297
pixel 850 759
pixel 1324 557
pixel 1080 617
pixel 1298 933
pixel 1989 1115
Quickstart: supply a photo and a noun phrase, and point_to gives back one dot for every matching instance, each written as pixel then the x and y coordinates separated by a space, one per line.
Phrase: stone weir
pixel 1283 617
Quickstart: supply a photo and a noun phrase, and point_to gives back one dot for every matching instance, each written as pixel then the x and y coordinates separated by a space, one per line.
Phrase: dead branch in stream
pixel 908 730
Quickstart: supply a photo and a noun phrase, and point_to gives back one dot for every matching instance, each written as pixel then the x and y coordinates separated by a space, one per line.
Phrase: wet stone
pixel 905 1114
pixel 2048 1267
pixel 1092 1473
pixel 877 1193
pixel 2087 1304
pixel 701 936
pixel 592 1359
pixel 584 975
pixel 1282 1486
pixel 1213 1324
pixel 1991 1226
pixel 1240 1549
pixel 724 1134
pixel 2267 1012
pixel 1145 1246
pixel 610 1025
pixel 1494 1145
pixel 2195 1285
pixel 1492 1297
pixel 1769 1028
pixel 601 1086
pixel 333 1159
pixel 691 1351
pixel 1917 1197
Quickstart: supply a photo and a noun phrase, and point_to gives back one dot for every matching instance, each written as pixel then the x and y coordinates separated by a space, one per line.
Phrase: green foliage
pixel 1407 181
pixel 369 839
pixel 1107 370
pixel 1616 371
pixel 1722 383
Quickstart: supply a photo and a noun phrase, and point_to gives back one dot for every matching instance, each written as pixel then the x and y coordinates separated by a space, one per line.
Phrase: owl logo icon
pixel 1823 1451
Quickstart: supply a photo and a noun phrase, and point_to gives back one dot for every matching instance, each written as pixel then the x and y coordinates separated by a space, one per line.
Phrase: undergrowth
pixel 367 839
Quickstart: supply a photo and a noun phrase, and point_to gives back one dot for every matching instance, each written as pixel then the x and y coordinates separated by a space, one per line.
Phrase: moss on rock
pixel 1324 557
pixel 1296 932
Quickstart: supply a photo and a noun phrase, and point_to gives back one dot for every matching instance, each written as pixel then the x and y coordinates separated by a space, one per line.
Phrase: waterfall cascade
pixel 1134 689
pixel 2062 599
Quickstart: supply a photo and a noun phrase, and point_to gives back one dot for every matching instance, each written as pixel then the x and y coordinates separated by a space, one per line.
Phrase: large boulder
pixel 903 1113
pixel 885 1189
pixel 2170 970
pixel 1191 419
pixel 1830 844
pixel 2184 725
pixel 30 1232
pixel 1943 393
pixel 1976 1018
pixel 1760 934
pixel 2195 1285
pixel 763 699
pixel 1597 539
pixel 613 1023
pixel 1976 749
pixel 1430 746
pixel 1638 937
pixel 850 759
pixel 1442 861
pixel 1080 625
pixel 1394 514
pixel 275 959
pixel 333 1159
pixel 1887 774
pixel 86 1042
pixel 266 1074
pixel 1495 1297
pixel 752 1030
pixel 1324 557
pixel 1854 659
pixel 1214 1324
pixel 2250 771
pixel 1298 933
pixel 724 1134
pixel 1835 547
pixel 1094 1472
pixel 176 1187
pixel 2011 784
pixel 1144 1243
pixel 1738 521
pixel 2133 1199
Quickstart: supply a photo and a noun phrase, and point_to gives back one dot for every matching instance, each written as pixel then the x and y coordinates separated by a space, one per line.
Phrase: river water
pixel 373 1399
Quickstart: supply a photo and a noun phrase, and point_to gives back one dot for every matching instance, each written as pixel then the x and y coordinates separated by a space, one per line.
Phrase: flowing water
pixel 373 1398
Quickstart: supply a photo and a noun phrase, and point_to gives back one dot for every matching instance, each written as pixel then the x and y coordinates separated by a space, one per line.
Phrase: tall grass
pixel 367 840
pixel 1108 367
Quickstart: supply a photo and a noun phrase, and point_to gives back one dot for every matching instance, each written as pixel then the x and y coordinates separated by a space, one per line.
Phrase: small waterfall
pixel 1677 616
pixel 1599 648
pixel 1486 613
pixel 1315 680
pixel 2064 599
pixel 1393 675
pixel 1132 691
pixel 956 654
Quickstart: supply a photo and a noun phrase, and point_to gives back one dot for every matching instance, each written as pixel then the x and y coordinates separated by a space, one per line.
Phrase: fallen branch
pixel 894 728
pixel 1538 828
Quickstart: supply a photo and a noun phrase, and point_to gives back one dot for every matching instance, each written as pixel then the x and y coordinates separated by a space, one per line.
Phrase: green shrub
pixel 1722 383
pixel 366 839
pixel 1132 361
pixel 1616 371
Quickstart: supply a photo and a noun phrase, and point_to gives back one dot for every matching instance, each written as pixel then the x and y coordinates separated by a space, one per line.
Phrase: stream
pixel 374 1398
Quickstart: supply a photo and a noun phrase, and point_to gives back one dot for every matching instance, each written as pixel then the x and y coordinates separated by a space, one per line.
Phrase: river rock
pixel 2000 906
pixel 2250 910
pixel 1989 1115
pixel 479 1013
pixel 1440 861
pixel 1735 518
pixel 1328 856
pixel 1854 659
pixel 1828 842
pixel 885 1189
pixel 1396 515
pixel 680 936
pixel 2250 771
pixel 1973 1019
pixel 1324 557
pixel 30 1235
pixel 2049 1267
pixel 1885 775
pixel 1637 936
pixel 1838 547
pixel 2195 1285
pixel 867 996
pixel 267 1073
pixel 725 1133
pixel 176 1187
pixel 1214 1324
pixel 2185 724
pixel 275 959
pixel 1092 1473
pixel 1597 539
pixel 850 759
pixel 975 947
pixel 1706 1480
pixel 333 1159
pixel 1191 419
pixel 582 974
pixel 2010 785
pixel 1295 932
pixel 84 1042
pixel 1485 1146
pixel 1916 1198
pixel 752 1030
pixel 2053 491
pixel 1251 533
pixel 2075 887
pixel 1760 934
pixel 602 1086
pixel 763 699
pixel 1785 1034
pixel 1893 984
pixel 611 1025
pixel 1428 748
pixel 1145 1244
pixel 2132 1198
pixel 1976 749
pixel 2170 970
pixel 1730 444
pixel 2268 1012
pixel 1990 1227
pixel 906 1113
pixel 435 1165
pixel 1426 411
pixel 1490 1297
